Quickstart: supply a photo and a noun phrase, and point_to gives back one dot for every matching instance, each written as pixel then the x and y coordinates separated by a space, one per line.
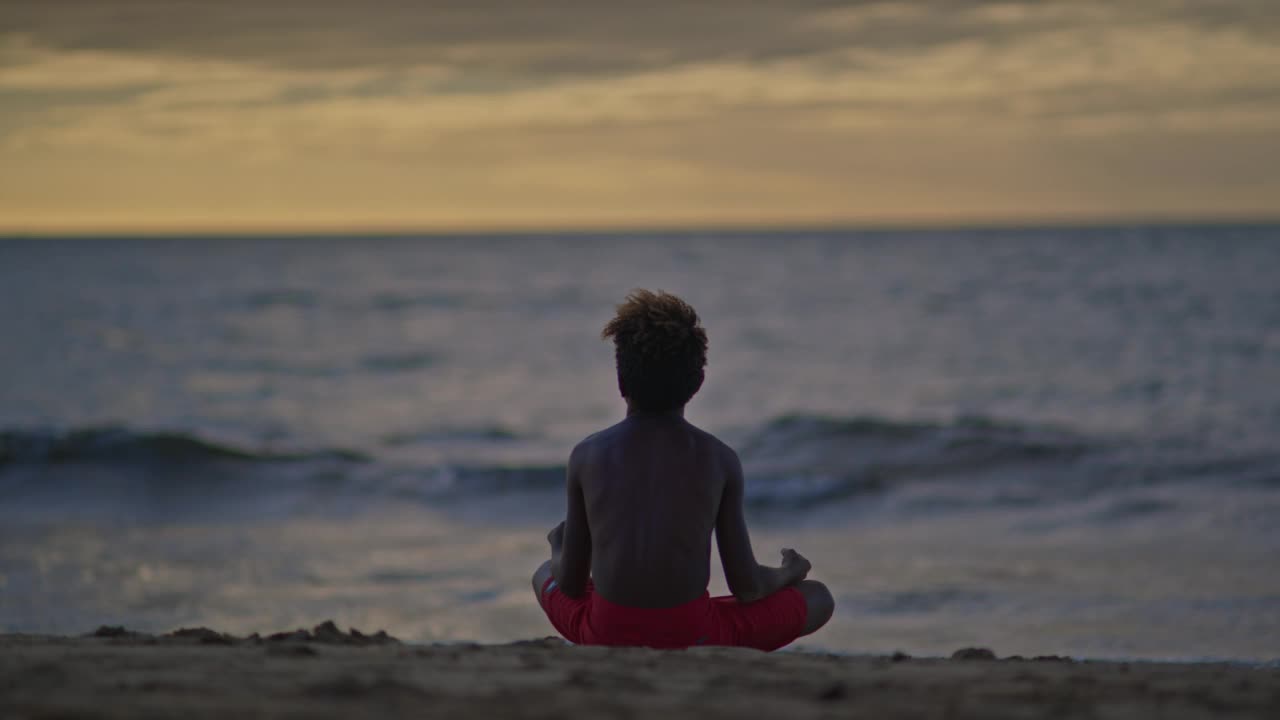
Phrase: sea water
pixel 1044 440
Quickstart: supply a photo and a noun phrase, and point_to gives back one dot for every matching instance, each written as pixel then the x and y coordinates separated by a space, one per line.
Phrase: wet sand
pixel 327 673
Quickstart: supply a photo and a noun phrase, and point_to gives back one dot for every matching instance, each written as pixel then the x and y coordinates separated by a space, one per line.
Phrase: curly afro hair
pixel 660 348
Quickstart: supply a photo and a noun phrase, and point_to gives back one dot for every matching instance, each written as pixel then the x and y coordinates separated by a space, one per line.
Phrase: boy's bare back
pixel 652 486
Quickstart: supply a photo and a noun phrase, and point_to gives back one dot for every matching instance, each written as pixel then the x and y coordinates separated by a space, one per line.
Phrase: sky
pixel 190 115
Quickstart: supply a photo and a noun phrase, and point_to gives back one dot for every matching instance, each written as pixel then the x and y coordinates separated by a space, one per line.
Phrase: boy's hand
pixel 556 538
pixel 796 565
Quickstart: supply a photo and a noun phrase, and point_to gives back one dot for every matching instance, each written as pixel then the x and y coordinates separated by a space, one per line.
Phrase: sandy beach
pixel 329 673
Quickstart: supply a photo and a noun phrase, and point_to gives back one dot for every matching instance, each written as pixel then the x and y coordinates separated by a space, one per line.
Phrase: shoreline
pixel 325 672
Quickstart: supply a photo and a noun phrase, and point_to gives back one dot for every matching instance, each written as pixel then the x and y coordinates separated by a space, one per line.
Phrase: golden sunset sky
pixel 198 115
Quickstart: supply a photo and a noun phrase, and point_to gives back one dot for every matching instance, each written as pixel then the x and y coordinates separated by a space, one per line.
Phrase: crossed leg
pixel 819 604
pixel 540 577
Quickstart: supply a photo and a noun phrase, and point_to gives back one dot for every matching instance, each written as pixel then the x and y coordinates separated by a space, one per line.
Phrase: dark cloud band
pixel 569 37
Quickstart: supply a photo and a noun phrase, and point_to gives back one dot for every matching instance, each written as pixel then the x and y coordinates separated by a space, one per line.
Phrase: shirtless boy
pixel 631 561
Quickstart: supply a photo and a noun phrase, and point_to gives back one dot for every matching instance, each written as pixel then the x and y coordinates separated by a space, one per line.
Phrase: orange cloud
pixel 456 114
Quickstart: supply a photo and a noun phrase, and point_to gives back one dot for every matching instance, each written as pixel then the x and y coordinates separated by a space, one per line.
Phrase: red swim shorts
pixel 766 624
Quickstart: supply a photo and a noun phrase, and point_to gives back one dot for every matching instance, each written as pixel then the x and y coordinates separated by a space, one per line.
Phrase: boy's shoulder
pixel 598 437
pixel 593 442
pixel 712 441
pixel 585 446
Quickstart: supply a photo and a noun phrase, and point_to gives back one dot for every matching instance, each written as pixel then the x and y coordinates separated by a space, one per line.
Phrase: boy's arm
pixel 572 565
pixel 748 580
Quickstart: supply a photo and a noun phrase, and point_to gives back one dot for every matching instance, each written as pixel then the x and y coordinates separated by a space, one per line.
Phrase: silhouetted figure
pixel 631 561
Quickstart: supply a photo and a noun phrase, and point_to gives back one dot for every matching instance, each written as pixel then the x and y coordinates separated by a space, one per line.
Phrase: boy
pixel 631 561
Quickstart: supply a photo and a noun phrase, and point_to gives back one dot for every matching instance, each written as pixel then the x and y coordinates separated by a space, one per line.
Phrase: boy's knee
pixel 819 602
pixel 540 577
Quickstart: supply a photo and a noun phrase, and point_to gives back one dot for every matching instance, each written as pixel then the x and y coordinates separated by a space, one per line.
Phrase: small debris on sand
pixel 973 653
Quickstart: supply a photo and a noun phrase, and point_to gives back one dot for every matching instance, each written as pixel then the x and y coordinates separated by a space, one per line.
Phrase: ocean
pixel 1042 440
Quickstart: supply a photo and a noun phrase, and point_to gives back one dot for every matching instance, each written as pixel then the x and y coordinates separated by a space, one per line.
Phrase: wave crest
pixel 113 445
pixel 793 463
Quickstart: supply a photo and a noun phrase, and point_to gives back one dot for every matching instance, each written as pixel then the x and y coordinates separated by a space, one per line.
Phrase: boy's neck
pixel 634 412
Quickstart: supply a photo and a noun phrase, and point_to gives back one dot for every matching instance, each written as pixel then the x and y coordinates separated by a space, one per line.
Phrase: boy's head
pixel 661 350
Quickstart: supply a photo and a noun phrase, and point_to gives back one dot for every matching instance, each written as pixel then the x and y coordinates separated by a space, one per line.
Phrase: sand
pixel 326 673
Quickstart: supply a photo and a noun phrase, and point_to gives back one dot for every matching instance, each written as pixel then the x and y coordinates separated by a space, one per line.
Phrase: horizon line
pixel 531 229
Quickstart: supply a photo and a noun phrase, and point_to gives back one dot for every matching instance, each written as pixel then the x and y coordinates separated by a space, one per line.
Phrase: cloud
pixel 576 37
pixel 578 108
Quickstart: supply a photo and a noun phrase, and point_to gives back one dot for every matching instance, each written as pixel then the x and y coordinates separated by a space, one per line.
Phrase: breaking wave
pixel 793 463
pixel 108 445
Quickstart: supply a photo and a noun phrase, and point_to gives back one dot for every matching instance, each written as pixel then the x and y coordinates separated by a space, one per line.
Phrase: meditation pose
pixel 630 562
